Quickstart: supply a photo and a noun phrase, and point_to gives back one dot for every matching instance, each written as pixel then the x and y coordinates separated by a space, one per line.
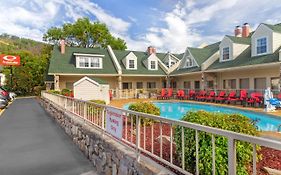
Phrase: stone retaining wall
pixel 107 155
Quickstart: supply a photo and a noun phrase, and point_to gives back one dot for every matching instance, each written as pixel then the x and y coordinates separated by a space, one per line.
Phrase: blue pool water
pixel 175 110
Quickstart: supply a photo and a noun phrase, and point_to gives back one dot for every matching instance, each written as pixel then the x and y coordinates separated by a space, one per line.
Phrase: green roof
pixel 245 59
pixel 200 55
pixel 65 63
pixel 275 28
pixel 141 68
pixel 240 40
pixel 98 80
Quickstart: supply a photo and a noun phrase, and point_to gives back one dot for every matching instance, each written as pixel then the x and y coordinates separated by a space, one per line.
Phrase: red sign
pixel 9 60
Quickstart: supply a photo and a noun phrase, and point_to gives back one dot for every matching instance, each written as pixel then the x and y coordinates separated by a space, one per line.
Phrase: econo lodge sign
pixel 9 60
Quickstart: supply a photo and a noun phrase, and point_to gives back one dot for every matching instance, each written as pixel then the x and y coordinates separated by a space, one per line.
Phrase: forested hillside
pixel 28 78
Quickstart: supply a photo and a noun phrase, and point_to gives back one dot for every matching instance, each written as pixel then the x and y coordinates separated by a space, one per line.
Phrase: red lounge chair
pixel 163 94
pixel 201 96
pixel 211 96
pixel 191 95
pixel 180 94
pixel 243 96
pixel 256 98
pixel 170 93
pixel 232 97
pixel 279 96
pixel 221 97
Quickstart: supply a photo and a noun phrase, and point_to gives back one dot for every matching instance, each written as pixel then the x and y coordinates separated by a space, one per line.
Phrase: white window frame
pixel 150 65
pixel 79 58
pixel 191 63
pixel 135 67
pixel 256 45
pixel 222 55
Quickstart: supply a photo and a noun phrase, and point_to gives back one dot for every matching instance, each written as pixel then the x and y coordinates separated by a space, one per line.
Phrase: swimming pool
pixel 175 110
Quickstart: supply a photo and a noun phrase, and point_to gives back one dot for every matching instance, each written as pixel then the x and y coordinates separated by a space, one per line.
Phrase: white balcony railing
pixel 135 133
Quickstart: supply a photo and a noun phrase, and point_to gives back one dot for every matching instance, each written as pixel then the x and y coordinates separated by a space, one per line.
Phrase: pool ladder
pixel 279 128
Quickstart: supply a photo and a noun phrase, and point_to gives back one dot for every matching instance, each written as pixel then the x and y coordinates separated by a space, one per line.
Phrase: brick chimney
pixel 238 31
pixel 151 50
pixel 62 46
pixel 245 30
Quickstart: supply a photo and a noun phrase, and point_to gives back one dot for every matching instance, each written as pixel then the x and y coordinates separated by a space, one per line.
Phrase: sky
pixel 168 25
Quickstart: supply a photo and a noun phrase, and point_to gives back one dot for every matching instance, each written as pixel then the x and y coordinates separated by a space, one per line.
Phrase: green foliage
pixel 84 33
pixel 54 91
pixel 231 122
pixel 98 101
pixel 28 78
pixel 145 107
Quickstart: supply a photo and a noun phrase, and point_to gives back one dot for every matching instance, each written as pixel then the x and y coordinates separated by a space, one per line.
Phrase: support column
pixel 168 82
pixel 203 81
pixel 57 82
pixel 119 93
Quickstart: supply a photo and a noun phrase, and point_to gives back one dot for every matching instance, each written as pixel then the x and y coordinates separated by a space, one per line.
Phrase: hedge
pixel 232 122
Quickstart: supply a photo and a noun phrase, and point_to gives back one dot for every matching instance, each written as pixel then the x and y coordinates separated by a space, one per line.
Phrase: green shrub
pixel 65 91
pixel 145 107
pixel 54 91
pixel 98 101
pixel 233 122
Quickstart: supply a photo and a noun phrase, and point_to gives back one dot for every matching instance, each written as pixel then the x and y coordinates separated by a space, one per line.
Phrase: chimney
pixel 245 30
pixel 151 50
pixel 62 46
pixel 238 31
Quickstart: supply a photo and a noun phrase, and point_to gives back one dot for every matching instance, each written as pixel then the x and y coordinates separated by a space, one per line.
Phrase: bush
pixel 233 122
pixel 98 101
pixel 54 91
pixel 145 107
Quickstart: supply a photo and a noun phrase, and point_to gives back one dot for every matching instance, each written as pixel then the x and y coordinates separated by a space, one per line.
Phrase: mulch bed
pixel 270 158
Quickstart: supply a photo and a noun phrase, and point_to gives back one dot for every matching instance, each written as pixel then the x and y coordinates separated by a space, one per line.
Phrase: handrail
pixel 232 136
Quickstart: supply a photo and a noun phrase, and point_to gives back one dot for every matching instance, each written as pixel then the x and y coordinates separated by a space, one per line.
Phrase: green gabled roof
pixel 202 54
pixel 141 68
pixel 240 40
pixel 65 63
pixel 245 59
pixel 275 28
pixel 98 80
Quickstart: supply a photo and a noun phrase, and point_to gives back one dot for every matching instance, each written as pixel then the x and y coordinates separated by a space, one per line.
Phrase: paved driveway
pixel 32 143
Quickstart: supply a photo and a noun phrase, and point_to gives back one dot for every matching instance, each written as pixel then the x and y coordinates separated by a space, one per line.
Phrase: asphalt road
pixel 32 143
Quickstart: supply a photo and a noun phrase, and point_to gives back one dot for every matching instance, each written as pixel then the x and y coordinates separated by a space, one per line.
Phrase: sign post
pixel 114 122
pixel 10 60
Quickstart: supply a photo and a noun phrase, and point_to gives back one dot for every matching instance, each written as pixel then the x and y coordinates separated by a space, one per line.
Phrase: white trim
pixel 89 59
pixel 82 74
pixel 114 59
pixel 85 78
pixel 229 54
pixel 86 54
pixel 105 75
pixel 256 46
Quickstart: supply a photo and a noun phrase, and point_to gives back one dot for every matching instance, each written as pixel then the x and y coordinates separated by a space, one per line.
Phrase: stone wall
pixel 107 155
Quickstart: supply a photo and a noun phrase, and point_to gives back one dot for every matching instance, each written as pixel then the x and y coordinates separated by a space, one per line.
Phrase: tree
pixel 84 33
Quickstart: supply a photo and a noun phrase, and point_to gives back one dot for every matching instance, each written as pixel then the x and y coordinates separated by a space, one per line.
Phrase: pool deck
pixel 272 135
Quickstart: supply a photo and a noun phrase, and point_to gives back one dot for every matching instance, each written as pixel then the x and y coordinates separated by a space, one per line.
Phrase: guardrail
pixel 135 133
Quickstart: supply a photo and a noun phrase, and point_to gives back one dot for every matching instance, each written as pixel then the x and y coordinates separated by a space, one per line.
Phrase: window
pixel 153 65
pixel 225 53
pixel 151 85
pixel 69 85
pixel 261 46
pixel 244 83
pixel 89 62
pixel 187 85
pixel 189 63
pixel 173 84
pixel 196 84
pixel 275 83
pixel 260 83
pixel 210 84
pixel 229 84
pixel 127 85
pixel 131 64
pixel 139 85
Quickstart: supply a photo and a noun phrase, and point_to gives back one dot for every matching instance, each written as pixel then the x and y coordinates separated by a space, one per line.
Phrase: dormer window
pixel 89 62
pixel 189 63
pixel 152 65
pixel 131 64
pixel 225 53
pixel 261 45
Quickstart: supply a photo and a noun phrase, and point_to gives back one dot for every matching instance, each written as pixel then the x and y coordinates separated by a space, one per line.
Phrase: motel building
pixel 245 60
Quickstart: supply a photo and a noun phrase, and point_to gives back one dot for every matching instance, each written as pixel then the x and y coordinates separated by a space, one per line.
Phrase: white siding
pixel 276 41
pixel 226 42
pixel 87 90
pixel 262 31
